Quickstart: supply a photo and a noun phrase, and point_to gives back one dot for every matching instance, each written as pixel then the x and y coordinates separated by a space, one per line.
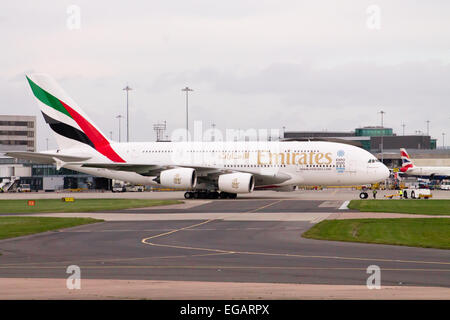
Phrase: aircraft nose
pixel 383 172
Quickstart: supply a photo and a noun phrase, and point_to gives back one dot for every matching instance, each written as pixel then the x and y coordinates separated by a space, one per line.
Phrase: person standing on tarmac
pixel 374 193
pixel 400 193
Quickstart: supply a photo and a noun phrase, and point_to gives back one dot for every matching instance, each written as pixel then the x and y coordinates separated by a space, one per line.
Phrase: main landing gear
pixel 209 195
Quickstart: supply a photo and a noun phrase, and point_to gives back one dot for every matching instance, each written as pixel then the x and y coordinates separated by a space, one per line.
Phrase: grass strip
pixel 79 205
pixel 21 226
pixel 414 232
pixel 428 207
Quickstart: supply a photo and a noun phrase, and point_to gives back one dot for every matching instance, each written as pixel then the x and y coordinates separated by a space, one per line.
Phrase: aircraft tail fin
pixel 71 126
pixel 406 160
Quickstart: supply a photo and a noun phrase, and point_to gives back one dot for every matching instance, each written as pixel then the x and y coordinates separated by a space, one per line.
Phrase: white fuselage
pixel 429 171
pixel 286 163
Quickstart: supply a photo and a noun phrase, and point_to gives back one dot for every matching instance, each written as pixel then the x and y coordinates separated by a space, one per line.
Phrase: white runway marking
pixel 329 204
pixel 344 205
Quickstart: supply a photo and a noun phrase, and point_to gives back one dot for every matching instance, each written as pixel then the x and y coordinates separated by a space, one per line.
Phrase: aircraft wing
pixel 47 158
pixel 205 173
pixel 144 169
pixel 147 169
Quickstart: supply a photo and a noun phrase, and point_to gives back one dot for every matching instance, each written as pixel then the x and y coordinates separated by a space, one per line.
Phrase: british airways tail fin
pixel 406 161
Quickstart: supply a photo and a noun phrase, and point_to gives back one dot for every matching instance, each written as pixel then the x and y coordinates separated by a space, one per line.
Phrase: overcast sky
pixel 305 65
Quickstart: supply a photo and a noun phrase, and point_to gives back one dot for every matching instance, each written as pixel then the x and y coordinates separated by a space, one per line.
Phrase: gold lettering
pixel 328 157
pixel 293 157
pixel 302 159
pixel 319 157
pixel 266 157
pixel 311 154
pixel 277 157
pixel 259 158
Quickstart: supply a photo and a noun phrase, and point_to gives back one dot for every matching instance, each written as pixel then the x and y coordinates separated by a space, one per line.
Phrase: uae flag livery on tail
pixel 66 119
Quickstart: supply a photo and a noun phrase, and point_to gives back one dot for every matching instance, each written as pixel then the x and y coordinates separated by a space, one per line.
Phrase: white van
pixel 24 188
pixel 445 185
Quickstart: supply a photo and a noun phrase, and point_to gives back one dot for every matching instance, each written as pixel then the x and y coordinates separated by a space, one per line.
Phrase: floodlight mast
pixel 187 90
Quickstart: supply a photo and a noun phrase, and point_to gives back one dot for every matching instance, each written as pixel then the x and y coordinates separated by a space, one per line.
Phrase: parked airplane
pixel 206 169
pixel 408 168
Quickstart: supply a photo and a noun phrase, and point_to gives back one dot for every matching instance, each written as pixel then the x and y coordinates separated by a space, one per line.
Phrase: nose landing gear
pixel 363 195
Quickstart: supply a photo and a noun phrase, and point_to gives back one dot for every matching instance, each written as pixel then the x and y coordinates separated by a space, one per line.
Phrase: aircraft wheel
pixel 363 195
pixel 223 195
pixel 232 195
pixel 188 195
pixel 215 195
pixel 413 194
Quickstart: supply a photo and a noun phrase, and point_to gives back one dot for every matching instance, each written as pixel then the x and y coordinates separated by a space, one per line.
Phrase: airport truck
pixel 420 193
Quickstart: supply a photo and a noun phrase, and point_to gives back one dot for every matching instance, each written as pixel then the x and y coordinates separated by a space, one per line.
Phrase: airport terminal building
pixel 18 133
pixel 383 143
pixel 372 139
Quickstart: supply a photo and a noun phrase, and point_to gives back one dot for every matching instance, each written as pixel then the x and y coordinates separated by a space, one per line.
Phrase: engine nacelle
pixel 239 182
pixel 180 178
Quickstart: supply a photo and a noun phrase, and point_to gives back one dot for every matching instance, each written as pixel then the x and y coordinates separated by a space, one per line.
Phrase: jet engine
pixel 239 182
pixel 180 178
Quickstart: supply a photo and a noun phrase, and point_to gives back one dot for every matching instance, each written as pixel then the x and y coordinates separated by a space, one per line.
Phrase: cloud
pixel 259 64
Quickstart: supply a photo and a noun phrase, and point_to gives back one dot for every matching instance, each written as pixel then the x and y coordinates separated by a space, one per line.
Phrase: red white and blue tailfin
pixel 71 126
pixel 406 161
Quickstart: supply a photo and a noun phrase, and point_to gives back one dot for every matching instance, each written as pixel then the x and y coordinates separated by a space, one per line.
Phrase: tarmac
pixel 245 248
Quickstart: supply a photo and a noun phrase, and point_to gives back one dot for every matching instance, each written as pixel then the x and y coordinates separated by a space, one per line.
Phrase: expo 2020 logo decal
pixel 340 161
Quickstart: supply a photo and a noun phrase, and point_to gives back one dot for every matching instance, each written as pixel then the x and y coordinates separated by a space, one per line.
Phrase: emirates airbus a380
pixel 205 169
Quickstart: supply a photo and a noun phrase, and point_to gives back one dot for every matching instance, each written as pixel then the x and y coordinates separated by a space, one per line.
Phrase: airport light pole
pixel 443 140
pixel 119 117
pixel 127 88
pixel 428 127
pixel 187 89
pixel 403 125
pixel 110 134
pixel 382 114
